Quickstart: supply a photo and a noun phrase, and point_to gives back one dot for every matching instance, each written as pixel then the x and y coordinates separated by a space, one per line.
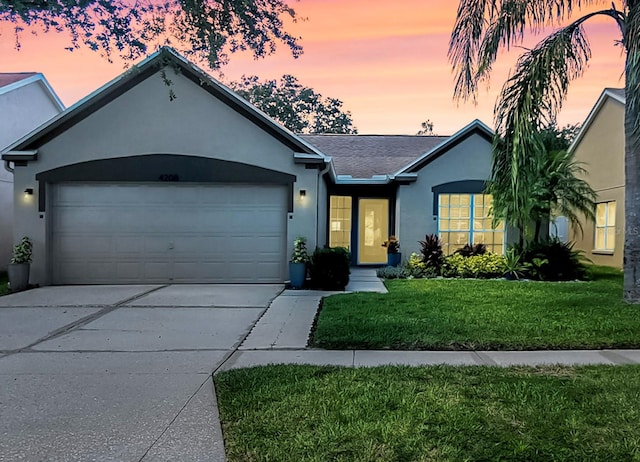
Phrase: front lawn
pixel 4 283
pixel 454 314
pixel 443 413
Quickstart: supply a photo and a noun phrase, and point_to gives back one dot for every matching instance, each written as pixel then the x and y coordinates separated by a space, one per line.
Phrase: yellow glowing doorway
pixel 373 226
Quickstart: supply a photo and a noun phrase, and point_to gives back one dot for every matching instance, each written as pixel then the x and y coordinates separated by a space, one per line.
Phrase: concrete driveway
pixel 118 373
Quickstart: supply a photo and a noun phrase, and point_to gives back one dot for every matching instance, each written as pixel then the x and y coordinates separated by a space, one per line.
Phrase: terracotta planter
pixel 18 276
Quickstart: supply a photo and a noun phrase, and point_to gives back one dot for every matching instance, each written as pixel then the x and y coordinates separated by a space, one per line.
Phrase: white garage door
pixel 160 233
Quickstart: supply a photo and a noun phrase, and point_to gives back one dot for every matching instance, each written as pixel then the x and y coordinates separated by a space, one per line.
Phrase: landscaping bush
pixel 487 265
pixel 562 262
pixel 417 268
pixel 392 272
pixel 329 268
pixel 432 255
pixel 471 250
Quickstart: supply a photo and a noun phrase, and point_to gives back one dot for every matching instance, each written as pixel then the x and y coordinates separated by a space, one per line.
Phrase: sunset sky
pixel 387 61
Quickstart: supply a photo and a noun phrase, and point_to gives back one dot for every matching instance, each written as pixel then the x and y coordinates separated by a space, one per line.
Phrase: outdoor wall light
pixel 28 191
pixel 303 193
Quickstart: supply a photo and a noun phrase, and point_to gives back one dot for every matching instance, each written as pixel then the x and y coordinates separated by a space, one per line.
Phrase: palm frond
pixel 484 27
pixel 464 44
pixel 530 100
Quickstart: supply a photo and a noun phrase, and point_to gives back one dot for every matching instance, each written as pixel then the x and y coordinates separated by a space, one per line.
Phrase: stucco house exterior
pixel 26 101
pixel 189 183
pixel 600 147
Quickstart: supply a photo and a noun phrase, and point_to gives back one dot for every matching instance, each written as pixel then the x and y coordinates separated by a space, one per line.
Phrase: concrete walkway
pixel 282 334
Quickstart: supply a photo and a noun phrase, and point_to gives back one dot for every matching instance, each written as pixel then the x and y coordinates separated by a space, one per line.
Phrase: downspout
pixel 321 173
pixel 7 167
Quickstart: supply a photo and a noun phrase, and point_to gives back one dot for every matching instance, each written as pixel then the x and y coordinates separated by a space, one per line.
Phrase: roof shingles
pixel 363 156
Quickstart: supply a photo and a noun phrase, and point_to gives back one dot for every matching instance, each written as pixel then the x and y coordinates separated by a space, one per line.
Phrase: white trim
pixel 30 152
pixel 37 78
pixel 376 179
pixel 606 94
pixel 304 158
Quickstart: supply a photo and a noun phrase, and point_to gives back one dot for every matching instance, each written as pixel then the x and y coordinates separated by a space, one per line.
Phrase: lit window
pixel 465 219
pixel 605 226
pixel 340 221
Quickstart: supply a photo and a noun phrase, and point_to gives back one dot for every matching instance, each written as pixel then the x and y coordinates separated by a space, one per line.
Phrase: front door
pixel 373 227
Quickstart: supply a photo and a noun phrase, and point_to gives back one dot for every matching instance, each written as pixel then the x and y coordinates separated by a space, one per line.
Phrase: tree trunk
pixel 632 174
pixel 536 234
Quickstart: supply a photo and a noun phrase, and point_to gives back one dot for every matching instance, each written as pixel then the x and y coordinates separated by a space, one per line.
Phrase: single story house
pixel 151 181
pixel 600 147
pixel 26 101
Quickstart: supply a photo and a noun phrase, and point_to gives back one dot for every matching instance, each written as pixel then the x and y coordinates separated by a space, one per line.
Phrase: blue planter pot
pixel 394 259
pixel 18 276
pixel 297 274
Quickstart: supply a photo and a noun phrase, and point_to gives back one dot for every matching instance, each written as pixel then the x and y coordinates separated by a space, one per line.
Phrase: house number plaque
pixel 169 177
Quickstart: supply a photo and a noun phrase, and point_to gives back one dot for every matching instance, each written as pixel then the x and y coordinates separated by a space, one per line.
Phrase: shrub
pixel 555 260
pixel 470 250
pixel 300 254
pixel 417 268
pixel 487 265
pixel 330 268
pixel 415 265
pixel 392 272
pixel 514 268
pixel 431 250
pixel 22 251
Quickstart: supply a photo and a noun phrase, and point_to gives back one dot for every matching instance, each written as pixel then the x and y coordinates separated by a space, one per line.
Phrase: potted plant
pixel 298 263
pixel 394 256
pixel 20 265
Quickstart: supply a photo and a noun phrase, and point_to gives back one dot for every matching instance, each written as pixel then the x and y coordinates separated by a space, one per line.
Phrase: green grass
pixel 4 283
pixel 306 413
pixel 451 314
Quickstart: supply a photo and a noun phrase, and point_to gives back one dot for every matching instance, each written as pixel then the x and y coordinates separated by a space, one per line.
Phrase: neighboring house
pixel 600 146
pixel 130 186
pixel 26 101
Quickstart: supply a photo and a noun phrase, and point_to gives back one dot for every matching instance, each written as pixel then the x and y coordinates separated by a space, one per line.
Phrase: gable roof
pixel 475 127
pixel 376 159
pixel 151 65
pixel 616 94
pixel 10 81
pixel 363 156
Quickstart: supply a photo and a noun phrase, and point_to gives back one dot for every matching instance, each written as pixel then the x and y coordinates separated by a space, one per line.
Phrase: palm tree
pixel 533 95
pixel 558 191
pixel 554 188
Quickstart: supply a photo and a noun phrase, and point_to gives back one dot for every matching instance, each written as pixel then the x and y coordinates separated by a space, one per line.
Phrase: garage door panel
pixel 131 245
pixel 73 245
pixel 159 233
pixel 129 270
pixel 125 219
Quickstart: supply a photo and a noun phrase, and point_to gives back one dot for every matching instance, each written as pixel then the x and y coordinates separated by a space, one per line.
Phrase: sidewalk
pixel 281 335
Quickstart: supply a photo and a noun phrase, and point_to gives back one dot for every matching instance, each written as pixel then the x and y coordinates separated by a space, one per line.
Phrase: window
pixel 605 226
pixel 464 219
pixel 340 221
